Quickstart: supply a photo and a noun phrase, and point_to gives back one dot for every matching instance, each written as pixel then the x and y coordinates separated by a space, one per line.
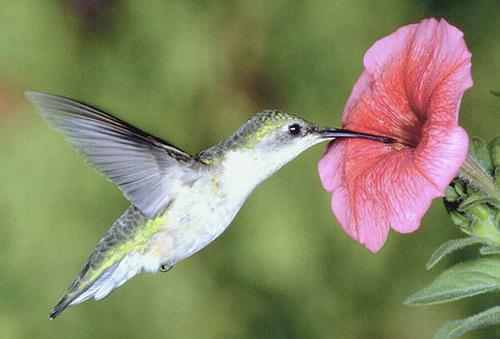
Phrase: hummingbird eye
pixel 294 129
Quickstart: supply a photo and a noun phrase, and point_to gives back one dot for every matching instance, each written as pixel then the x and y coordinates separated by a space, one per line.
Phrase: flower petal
pixel 441 153
pixel 419 72
pixel 437 161
pixel 376 188
pixel 411 89
pixel 350 202
pixel 329 165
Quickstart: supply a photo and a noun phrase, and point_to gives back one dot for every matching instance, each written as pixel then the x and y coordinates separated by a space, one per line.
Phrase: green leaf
pixel 461 281
pixel 461 220
pixel 482 154
pixel 497 176
pixel 483 224
pixel 489 250
pixel 459 187
pixel 457 328
pixel 495 93
pixel 473 200
pixel 451 194
pixel 449 247
pixel 494 148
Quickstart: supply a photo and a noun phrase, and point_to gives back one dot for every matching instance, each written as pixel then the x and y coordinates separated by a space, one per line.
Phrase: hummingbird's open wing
pixel 148 170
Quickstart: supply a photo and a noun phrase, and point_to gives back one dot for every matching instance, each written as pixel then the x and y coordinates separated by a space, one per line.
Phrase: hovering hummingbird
pixel 179 203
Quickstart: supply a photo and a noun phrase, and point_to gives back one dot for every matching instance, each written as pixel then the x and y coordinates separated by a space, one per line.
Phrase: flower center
pixel 399 146
pixel 409 136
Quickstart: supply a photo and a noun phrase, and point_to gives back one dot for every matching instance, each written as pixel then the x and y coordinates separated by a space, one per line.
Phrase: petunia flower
pixel 410 89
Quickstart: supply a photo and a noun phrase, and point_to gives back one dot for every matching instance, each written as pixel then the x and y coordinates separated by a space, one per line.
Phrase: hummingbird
pixel 179 203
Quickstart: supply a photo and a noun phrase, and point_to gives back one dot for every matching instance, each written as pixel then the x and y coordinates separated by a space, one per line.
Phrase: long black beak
pixel 334 133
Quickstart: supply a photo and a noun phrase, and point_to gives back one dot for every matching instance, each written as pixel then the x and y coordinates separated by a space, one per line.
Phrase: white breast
pixel 197 217
pixel 200 213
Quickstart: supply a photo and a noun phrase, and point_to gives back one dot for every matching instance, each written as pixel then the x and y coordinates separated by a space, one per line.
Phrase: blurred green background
pixel 192 72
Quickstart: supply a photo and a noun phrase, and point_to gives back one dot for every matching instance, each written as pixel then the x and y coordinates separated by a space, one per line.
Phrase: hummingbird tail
pixel 72 294
pixel 86 286
pixel 61 306
pixel 123 252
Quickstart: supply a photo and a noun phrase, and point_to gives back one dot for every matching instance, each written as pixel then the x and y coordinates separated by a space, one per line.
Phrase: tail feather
pixel 122 252
pixel 68 298
pixel 61 306
pixel 102 285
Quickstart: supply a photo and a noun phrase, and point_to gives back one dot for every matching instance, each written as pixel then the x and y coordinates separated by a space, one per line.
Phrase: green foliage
pixel 494 147
pixel 489 250
pixel 473 204
pixel 479 148
pixel 461 281
pixel 473 200
pixel 458 328
pixel 449 247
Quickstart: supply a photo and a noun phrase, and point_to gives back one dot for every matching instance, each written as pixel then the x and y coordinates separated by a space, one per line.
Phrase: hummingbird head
pixel 276 134
pixel 287 135
pixel 270 139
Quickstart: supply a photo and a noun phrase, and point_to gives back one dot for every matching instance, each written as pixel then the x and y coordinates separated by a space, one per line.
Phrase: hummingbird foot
pixel 166 267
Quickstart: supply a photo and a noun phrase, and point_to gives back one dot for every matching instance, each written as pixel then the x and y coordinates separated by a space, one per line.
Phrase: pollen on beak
pixel 334 133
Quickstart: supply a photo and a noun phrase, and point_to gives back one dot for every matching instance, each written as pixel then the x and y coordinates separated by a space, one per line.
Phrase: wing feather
pixel 147 169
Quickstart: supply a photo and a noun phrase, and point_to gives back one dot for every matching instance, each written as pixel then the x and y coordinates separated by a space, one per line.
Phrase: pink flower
pixel 411 89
